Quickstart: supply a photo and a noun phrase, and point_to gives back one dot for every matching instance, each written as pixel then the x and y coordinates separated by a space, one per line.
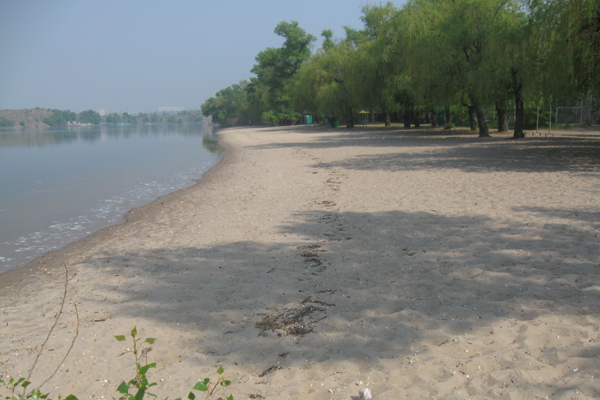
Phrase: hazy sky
pixel 138 55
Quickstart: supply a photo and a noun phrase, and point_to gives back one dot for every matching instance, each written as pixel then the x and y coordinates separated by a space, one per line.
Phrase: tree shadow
pixel 532 155
pixel 415 149
pixel 395 287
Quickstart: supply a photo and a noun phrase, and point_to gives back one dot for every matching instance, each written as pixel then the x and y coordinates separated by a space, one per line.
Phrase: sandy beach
pixel 311 264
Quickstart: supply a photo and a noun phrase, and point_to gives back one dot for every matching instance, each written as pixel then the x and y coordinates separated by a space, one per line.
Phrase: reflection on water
pixel 58 186
pixel 48 137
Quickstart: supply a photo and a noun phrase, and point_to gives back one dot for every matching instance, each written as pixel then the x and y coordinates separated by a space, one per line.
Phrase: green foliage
pixel 132 389
pixel 128 118
pixel 228 103
pixel 137 387
pixel 468 54
pixel 5 123
pixel 112 118
pixel 205 386
pixel 333 81
pixel 89 117
pixel 274 70
pixel 59 117
pixel 266 96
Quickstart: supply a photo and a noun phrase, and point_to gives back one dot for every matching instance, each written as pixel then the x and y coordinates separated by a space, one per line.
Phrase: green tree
pixel 332 82
pixel 112 118
pixel 128 118
pixel 275 68
pixel 5 123
pixel 229 104
pixel 89 117
pixel 59 117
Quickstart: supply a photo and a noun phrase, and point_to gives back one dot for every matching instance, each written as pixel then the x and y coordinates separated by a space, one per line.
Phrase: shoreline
pixel 15 278
pixel 314 263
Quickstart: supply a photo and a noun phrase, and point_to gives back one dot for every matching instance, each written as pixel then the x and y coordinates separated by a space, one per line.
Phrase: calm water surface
pixel 57 186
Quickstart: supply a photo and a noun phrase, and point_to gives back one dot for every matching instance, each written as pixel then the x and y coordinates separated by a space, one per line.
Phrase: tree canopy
pixel 485 57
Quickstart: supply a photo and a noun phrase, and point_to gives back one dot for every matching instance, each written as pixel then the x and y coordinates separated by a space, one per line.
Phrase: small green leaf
pixel 150 340
pixel 145 368
pixel 134 332
pixel 191 396
pixel 220 370
pixel 35 394
pixel 123 388
pixel 71 397
pixel 25 384
pixel 120 338
pixel 201 387
pixel 125 352
pixel 225 383
pixel 140 394
pixel 230 397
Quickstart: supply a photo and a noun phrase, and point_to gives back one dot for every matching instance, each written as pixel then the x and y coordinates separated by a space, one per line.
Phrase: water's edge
pixel 17 278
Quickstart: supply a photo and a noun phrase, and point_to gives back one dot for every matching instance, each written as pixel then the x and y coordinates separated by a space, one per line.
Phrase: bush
pixel 4 123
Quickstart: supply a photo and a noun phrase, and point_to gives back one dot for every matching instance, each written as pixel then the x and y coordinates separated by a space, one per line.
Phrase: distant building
pixel 101 111
pixel 170 110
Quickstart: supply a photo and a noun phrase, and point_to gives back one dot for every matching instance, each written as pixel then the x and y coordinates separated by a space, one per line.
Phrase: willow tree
pixel 569 37
pixel 452 50
pixel 331 82
pixel 383 65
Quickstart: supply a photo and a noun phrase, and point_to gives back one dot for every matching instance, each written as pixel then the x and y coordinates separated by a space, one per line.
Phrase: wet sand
pixel 314 263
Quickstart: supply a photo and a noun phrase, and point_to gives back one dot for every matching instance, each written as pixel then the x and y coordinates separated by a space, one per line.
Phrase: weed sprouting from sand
pixel 134 389
pixel 140 384
pixel 205 386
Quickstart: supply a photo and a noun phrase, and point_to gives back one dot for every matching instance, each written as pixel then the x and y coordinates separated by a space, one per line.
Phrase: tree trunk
pixel 472 118
pixel 433 118
pixel 387 118
pixel 349 119
pixel 372 116
pixel 519 106
pixel 416 118
pixel 483 128
pixel 448 118
pixel 407 113
pixel 502 116
pixel 519 114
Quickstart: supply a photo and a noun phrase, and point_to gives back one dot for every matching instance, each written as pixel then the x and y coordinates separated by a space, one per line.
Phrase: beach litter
pixel 365 394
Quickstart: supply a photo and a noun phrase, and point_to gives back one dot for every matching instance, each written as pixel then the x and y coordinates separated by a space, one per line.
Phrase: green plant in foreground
pixel 204 386
pixel 140 384
pixel 15 386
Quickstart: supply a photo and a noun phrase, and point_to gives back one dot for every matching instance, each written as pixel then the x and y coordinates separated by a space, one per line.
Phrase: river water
pixel 57 186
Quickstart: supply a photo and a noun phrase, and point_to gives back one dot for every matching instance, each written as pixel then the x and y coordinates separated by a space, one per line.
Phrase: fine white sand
pixel 419 264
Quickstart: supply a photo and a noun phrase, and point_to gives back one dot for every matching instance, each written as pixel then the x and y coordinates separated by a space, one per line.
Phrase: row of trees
pixel 267 95
pixel 476 54
pixel 60 117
